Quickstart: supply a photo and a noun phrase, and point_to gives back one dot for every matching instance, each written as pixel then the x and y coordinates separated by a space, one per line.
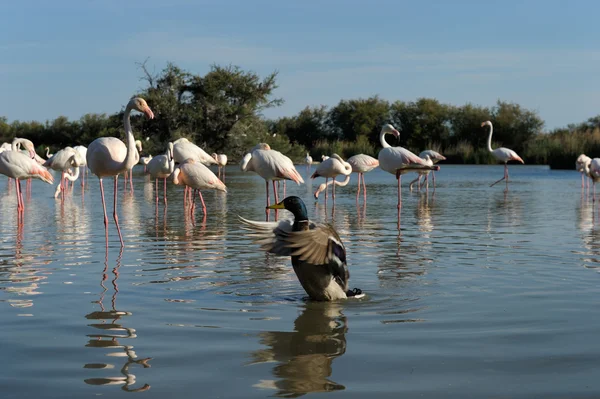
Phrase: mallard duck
pixel 318 254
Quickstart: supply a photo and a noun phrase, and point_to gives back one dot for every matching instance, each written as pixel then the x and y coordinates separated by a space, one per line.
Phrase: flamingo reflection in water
pixel 109 337
pixel 304 356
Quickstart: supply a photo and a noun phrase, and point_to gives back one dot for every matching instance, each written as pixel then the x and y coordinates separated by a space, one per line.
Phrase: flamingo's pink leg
pixel 115 216
pixel 202 200
pixel 105 216
pixel 165 190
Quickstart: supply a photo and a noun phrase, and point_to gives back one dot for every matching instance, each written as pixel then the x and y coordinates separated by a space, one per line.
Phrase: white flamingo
pixel 272 166
pixel 183 149
pixel 82 150
pixel 593 171
pixel 221 163
pixel 198 177
pixel 61 161
pixel 109 156
pixel 580 163
pixel 361 164
pixel 48 155
pixel 398 160
pixel 323 186
pixel 161 167
pixel 501 154
pixel 330 168
pixel 145 161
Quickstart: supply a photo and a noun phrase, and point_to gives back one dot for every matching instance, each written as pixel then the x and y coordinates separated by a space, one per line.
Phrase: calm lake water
pixel 481 293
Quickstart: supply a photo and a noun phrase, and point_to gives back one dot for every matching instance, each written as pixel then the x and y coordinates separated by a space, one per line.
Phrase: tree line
pixel 222 110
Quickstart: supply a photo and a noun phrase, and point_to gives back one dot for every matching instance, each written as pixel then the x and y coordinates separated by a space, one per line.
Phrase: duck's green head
pixel 293 204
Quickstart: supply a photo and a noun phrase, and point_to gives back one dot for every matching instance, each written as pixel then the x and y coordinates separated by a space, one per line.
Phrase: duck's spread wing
pixel 320 245
pixel 270 235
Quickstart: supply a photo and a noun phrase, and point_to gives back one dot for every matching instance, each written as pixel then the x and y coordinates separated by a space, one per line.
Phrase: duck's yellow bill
pixel 276 206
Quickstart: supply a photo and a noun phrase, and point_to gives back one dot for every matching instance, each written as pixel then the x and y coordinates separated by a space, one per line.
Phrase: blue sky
pixel 74 57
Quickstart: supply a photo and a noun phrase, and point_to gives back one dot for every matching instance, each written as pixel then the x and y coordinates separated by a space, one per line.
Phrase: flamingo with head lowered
pixel 330 168
pixel 109 156
pixel 501 154
pixel 580 165
pixel 17 165
pixel 398 160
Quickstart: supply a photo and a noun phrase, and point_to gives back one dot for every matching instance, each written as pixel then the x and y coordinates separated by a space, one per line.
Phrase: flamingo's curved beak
pixel 483 124
pixel 396 133
pixel 32 153
pixel 149 113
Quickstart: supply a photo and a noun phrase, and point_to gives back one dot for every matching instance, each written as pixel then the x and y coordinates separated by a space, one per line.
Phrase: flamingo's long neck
pixel 75 175
pixel 47 152
pixel 490 138
pixel 384 143
pixel 324 186
pixel 171 158
pixel 15 144
pixel 130 158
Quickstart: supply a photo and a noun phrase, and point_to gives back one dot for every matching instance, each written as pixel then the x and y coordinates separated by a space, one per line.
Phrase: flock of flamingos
pixel 110 157
pixel 317 253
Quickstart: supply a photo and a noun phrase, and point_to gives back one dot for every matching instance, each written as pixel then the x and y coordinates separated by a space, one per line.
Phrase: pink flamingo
pixel 82 150
pixel 501 154
pixel 161 167
pixel 108 156
pixel 198 177
pixel 62 161
pixel 272 166
pixel 580 164
pixel 17 165
pixel 361 164
pixel 323 186
pixel 330 168
pixel 398 160
pixel 221 163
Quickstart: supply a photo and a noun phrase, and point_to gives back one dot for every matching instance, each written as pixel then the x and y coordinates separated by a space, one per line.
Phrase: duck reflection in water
pixel 110 335
pixel 305 356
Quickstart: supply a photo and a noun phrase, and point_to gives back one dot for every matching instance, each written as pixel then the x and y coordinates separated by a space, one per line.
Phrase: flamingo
pixel 161 167
pixel 330 168
pixel 398 160
pixel 198 177
pixel 435 158
pixel 17 165
pixel 580 163
pixel 221 163
pixel 69 175
pixel 592 168
pixel 82 150
pixel 361 164
pixel 308 161
pixel 324 158
pixel 63 160
pixel 501 154
pixel 145 161
pixel 183 149
pixel 271 165
pixel 48 155
pixel 323 186
pixel 424 172
pixel 108 156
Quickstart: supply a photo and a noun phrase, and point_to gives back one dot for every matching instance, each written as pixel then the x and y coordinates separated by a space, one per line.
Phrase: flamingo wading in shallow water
pixel 108 156
pixel 271 165
pixel 580 165
pixel 20 166
pixel 330 168
pixel 161 167
pixel 198 177
pixel 361 164
pixel 398 160
pixel 501 154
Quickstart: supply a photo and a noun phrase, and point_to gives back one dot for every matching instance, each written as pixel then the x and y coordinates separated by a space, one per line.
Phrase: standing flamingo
pixel 183 149
pixel 271 165
pixel 48 155
pixel 330 168
pixel 421 173
pixel 221 163
pixel 161 167
pixel 82 150
pixel 308 161
pixel 17 165
pixel 398 160
pixel 61 161
pixel 108 156
pixel 69 176
pixel 501 154
pixel 198 177
pixel 145 161
pixel 592 168
pixel 361 164
pixel 580 163
pixel 435 158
